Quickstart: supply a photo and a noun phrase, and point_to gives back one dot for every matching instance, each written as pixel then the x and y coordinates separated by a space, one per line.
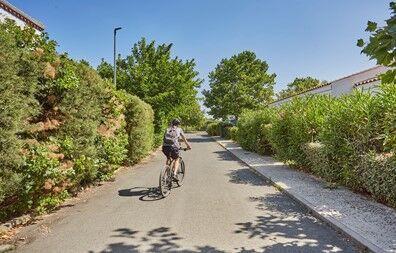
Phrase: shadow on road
pixel 225 155
pixel 291 228
pixel 144 193
pixel 160 239
pixel 285 234
pixel 246 176
pixel 284 225
pixel 202 139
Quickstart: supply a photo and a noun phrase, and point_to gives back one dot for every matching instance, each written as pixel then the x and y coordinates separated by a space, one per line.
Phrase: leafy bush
pixel 378 175
pixel 213 129
pixel 348 140
pixel 140 128
pixel 61 124
pixel 385 115
pixel 347 134
pixel 318 162
pixel 233 132
pixel 297 123
pixel 169 84
pixel 224 129
pixel 253 130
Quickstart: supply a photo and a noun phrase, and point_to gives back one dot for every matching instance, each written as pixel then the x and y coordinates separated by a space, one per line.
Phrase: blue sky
pixel 297 38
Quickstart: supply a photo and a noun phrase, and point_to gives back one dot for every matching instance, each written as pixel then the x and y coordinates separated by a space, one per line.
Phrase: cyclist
pixel 171 144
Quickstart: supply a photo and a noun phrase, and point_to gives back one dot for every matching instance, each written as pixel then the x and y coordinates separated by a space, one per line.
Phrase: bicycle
pixel 167 178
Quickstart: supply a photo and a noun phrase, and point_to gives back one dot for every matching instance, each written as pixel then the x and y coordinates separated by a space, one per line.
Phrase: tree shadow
pixel 144 193
pixel 160 239
pixel 226 155
pixel 246 176
pixel 285 233
pixel 202 139
pixel 289 228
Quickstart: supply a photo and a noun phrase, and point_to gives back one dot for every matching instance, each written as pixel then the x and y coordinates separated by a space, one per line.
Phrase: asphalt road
pixel 222 207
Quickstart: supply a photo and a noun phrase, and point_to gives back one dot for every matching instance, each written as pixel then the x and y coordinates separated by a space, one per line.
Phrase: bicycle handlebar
pixel 184 149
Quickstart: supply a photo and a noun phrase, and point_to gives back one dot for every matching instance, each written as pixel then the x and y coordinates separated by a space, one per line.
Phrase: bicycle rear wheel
pixel 181 172
pixel 165 181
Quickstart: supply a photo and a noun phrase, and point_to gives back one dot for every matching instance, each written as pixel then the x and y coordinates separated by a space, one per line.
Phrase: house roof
pixel 326 84
pixel 21 15
pixel 370 80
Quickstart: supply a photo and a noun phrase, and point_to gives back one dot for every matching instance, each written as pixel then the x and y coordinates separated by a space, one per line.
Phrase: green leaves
pixel 238 83
pixel 371 26
pixel 167 83
pixel 360 43
pixel 382 44
pixel 299 85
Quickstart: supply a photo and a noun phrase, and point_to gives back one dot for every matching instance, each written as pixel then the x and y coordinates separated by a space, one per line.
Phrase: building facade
pixel 365 80
pixel 8 11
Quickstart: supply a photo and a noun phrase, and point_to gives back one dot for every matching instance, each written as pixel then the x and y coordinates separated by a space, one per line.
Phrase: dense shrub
pixel 233 133
pixel 253 130
pixel 348 140
pixel 297 123
pixel 347 134
pixel 385 116
pixel 213 129
pixel 224 129
pixel 140 128
pixel 377 174
pixel 61 125
pixel 318 162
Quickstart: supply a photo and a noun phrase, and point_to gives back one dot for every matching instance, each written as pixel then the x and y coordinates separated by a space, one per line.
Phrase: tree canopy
pixel 167 83
pixel 382 44
pixel 299 85
pixel 238 83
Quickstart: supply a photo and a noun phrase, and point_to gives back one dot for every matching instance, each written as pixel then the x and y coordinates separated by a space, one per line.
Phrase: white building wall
pixel 344 85
pixel 372 86
pixel 347 84
pixel 4 15
pixel 8 11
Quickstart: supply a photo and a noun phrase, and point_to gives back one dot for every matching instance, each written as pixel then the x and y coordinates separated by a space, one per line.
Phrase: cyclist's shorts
pixel 170 151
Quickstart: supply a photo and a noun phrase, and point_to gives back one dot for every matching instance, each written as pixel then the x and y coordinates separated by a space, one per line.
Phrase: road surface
pixel 222 207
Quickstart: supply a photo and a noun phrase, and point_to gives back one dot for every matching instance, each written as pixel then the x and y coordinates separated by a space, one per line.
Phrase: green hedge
pixel 220 128
pixel 213 128
pixel 61 125
pixel 140 129
pixel 348 140
pixel 233 133
pixel 253 130
pixel 224 129
pixel 296 123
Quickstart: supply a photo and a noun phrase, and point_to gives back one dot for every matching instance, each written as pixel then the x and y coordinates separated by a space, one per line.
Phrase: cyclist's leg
pixel 176 164
pixel 176 160
pixel 168 153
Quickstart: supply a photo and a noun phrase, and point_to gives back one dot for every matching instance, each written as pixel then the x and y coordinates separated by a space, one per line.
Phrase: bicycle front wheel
pixel 181 172
pixel 165 181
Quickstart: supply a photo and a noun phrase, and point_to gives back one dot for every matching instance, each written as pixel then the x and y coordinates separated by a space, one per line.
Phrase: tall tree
pixel 238 83
pixel 167 83
pixel 382 44
pixel 299 85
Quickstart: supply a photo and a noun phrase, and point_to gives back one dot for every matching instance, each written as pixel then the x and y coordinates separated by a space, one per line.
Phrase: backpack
pixel 171 136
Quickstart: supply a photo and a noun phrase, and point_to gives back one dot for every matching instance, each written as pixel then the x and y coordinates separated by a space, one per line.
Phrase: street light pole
pixel 115 66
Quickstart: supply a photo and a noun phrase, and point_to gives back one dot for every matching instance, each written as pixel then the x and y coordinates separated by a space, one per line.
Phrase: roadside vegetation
pixel 348 141
pixel 299 85
pixel 63 126
pixel 167 83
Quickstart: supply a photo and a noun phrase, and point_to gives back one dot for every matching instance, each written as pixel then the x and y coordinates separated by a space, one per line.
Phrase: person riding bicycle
pixel 171 144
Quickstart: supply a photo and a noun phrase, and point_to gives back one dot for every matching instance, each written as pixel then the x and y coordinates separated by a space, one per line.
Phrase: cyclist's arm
pixel 185 140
